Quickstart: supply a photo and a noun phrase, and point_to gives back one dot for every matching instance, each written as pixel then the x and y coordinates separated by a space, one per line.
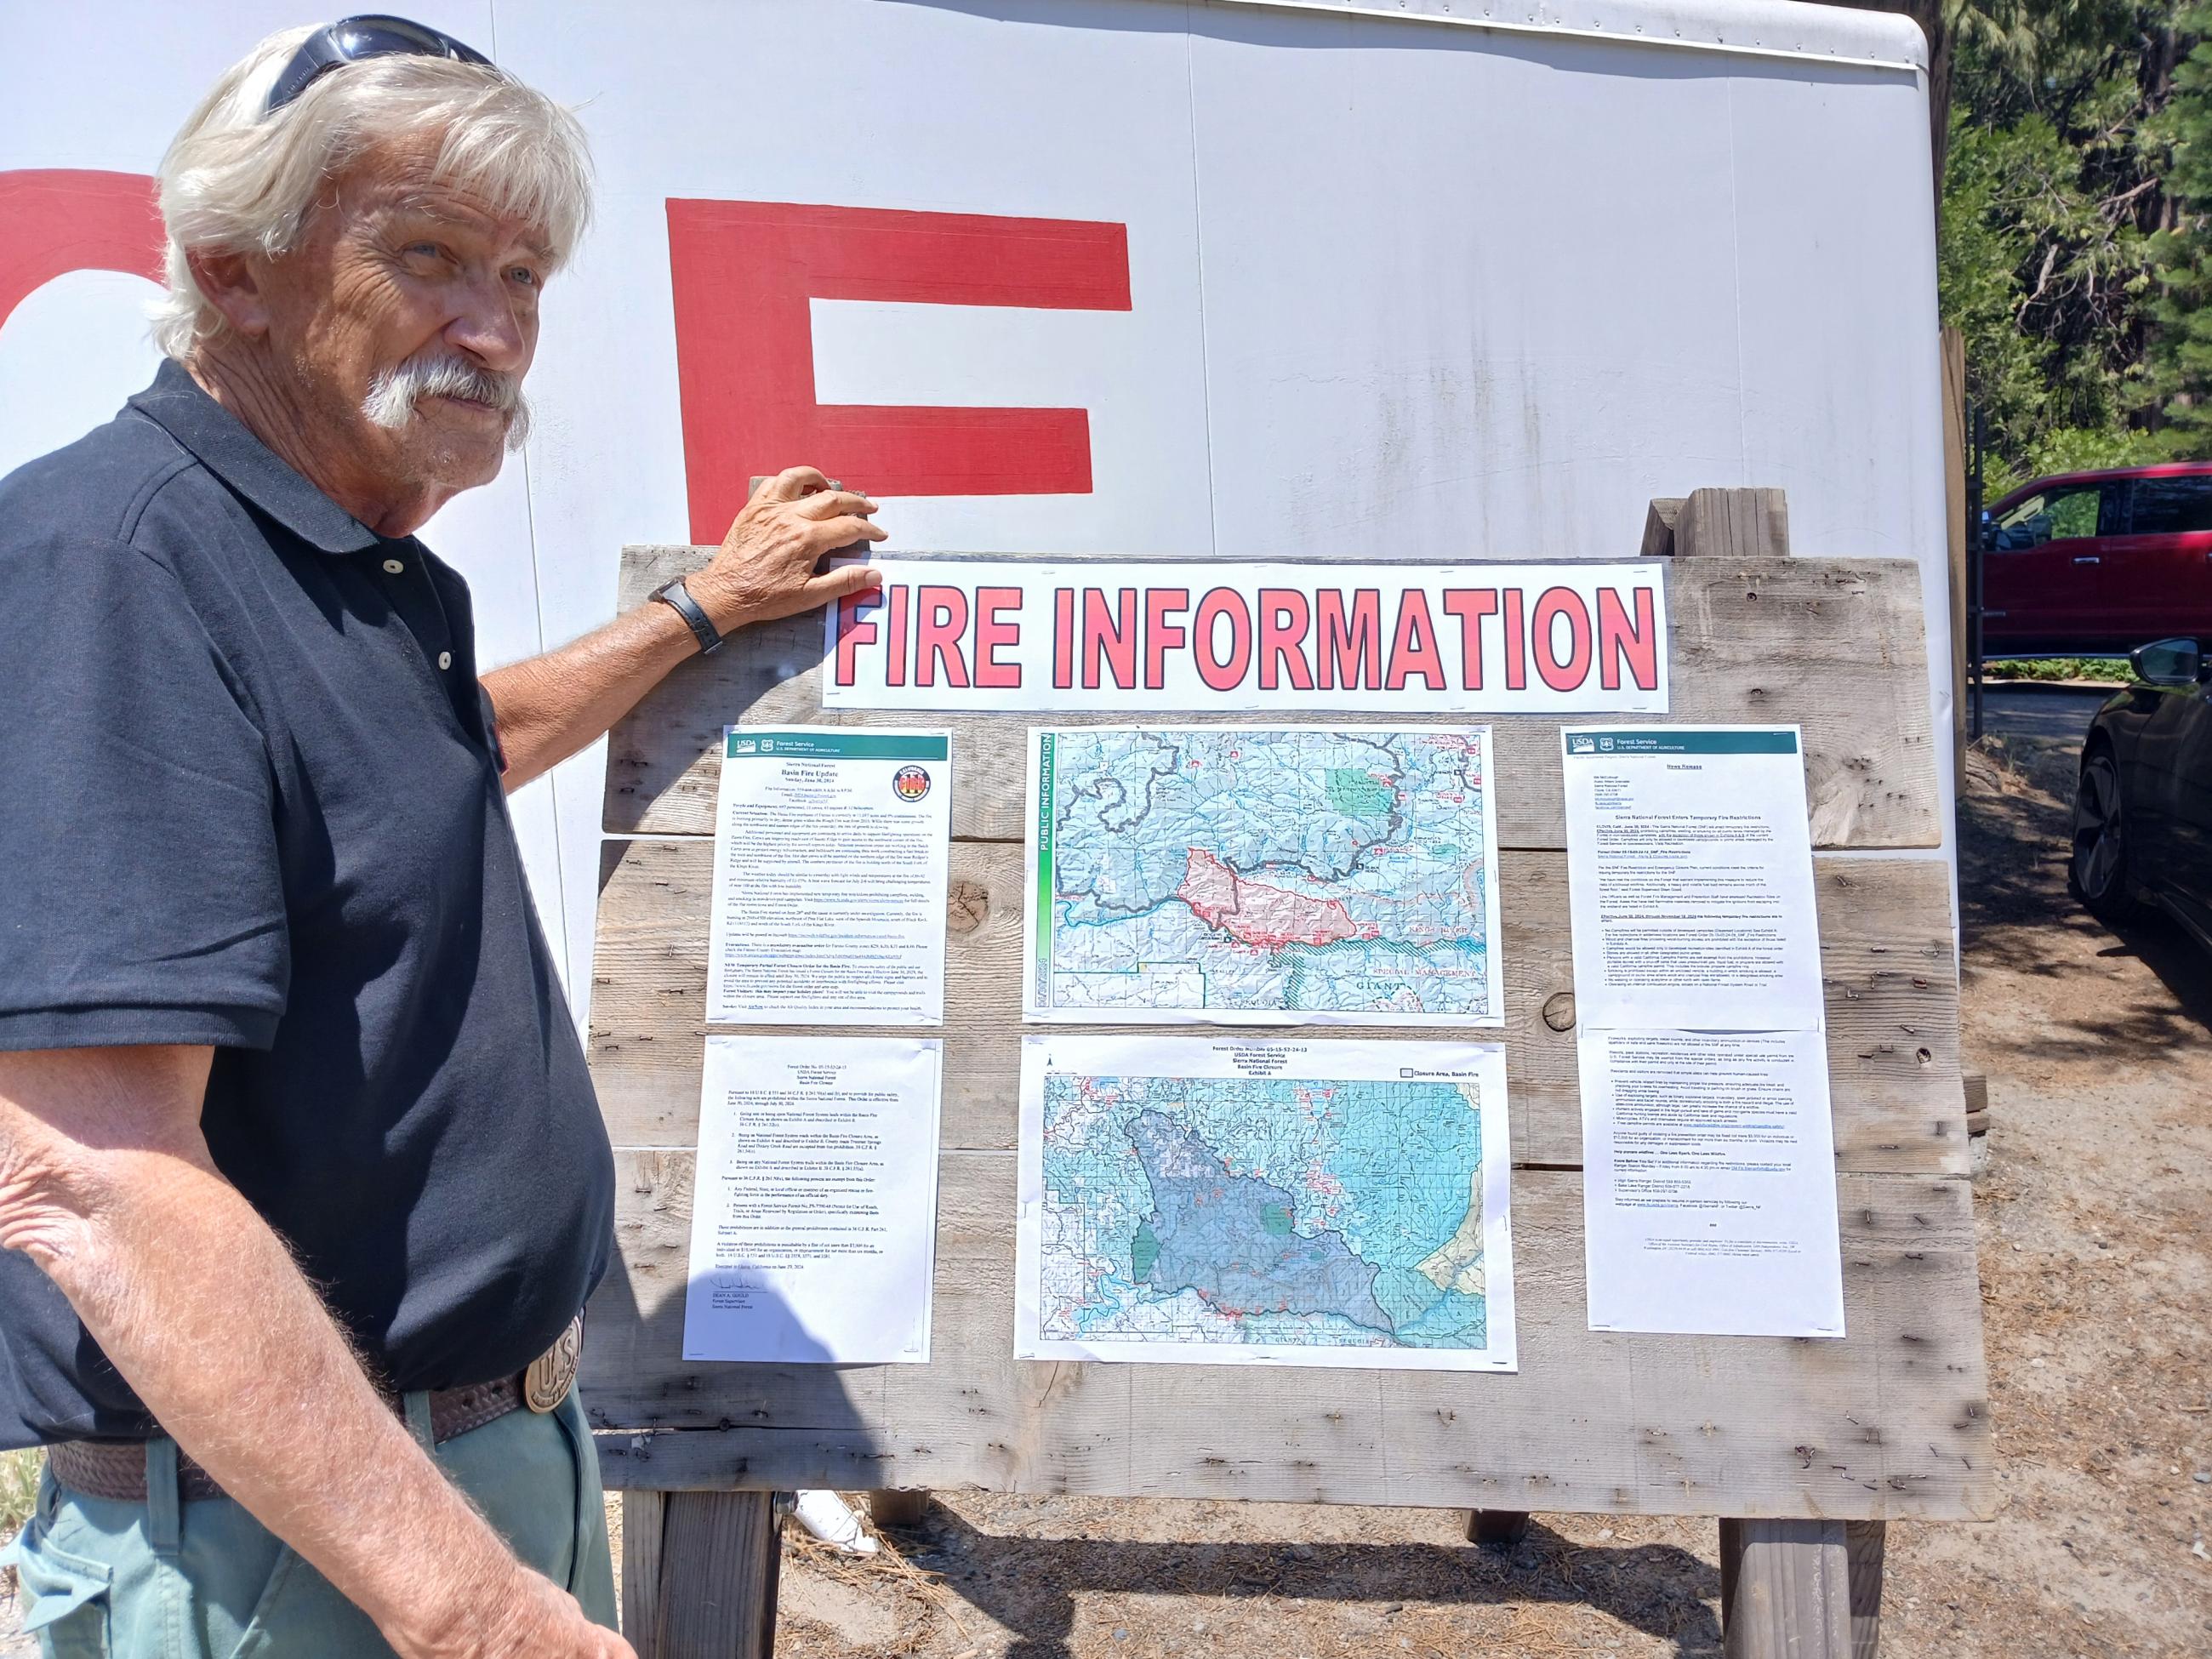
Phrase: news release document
pixel 1709 1191
pixel 831 851
pixel 1708 1183
pixel 814 1211
pixel 1690 877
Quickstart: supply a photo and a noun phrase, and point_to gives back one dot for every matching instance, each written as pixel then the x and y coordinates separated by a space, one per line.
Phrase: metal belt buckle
pixel 546 1384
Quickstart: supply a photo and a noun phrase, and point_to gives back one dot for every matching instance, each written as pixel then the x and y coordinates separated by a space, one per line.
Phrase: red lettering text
pixel 1111 640
pixel 1222 673
pixel 940 619
pixel 855 630
pixel 993 630
pixel 1285 616
pixel 1471 605
pixel 1414 645
pixel 1620 642
pixel 1162 635
pixel 1349 653
pixel 1561 675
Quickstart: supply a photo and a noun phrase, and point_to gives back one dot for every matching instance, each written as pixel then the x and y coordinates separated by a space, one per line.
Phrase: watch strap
pixel 677 598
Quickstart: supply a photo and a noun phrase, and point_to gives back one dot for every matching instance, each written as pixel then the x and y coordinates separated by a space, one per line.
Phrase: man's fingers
pixel 843 531
pixel 836 584
pixel 829 502
pixel 793 482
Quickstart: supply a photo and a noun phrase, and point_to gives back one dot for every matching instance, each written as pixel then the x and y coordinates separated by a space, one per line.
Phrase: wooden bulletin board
pixel 1889 1422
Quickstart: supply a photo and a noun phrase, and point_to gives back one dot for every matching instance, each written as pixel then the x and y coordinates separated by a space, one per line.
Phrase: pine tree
pixel 2181 350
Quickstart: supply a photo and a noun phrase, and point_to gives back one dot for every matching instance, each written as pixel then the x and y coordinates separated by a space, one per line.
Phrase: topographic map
pixel 1316 1204
pixel 1299 874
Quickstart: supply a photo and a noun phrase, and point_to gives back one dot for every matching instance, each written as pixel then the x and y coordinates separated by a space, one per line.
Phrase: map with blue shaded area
pixel 1261 1212
pixel 1225 871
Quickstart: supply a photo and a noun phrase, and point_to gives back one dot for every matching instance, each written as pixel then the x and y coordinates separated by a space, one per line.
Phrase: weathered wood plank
pixel 719 1556
pixel 1886 957
pixel 1868 1542
pixel 1890 1423
pixel 1785 1590
pixel 1732 524
pixel 644 1513
pixel 1837 645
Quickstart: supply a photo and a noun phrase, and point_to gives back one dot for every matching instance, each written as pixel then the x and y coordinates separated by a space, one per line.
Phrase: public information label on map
pixel 1206 1200
pixel 1284 875
pixel 814 1208
pixel 1709 1182
pixel 1690 877
pixel 945 634
pixel 830 853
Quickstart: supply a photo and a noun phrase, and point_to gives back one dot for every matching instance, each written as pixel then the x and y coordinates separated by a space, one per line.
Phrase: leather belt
pixel 115 1470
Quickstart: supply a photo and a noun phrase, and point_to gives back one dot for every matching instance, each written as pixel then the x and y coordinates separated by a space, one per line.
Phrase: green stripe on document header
pixel 1681 741
pixel 1044 870
pixel 837 746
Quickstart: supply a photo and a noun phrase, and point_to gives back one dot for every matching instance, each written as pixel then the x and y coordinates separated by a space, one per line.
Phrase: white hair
pixel 236 180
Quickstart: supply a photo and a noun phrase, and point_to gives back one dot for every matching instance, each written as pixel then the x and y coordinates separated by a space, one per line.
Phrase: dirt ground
pixel 2095 1229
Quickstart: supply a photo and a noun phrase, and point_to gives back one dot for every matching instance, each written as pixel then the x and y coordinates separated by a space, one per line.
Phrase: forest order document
pixel 1709 1191
pixel 830 855
pixel 814 1211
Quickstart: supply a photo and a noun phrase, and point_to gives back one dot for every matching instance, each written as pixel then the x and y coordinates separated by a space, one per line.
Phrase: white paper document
pixel 1290 875
pixel 1690 878
pixel 1710 1183
pixel 830 853
pixel 1209 1200
pixel 814 1209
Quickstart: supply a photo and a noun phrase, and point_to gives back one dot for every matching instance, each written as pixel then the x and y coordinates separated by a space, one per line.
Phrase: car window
pixel 2168 507
pixel 2050 515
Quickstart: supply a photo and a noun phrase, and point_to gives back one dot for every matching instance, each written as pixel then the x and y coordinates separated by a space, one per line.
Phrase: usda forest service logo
pixel 911 783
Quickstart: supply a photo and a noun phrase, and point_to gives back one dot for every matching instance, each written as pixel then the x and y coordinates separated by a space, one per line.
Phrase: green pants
pixel 205 1580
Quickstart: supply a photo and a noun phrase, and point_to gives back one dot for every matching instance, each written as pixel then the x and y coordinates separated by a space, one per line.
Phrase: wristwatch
pixel 677 598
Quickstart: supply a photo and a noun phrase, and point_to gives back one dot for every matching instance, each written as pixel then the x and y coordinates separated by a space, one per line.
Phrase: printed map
pixel 1188 1218
pixel 1228 873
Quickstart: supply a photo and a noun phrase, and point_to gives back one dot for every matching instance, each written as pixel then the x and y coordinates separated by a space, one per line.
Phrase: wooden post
pixel 643 1514
pixel 1866 1540
pixel 1785 1590
pixel 899 1508
pixel 713 1596
pixel 1741 523
pixel 1496 1529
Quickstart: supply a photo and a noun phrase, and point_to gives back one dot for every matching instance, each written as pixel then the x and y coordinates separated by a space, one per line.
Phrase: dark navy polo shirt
pixel 254 801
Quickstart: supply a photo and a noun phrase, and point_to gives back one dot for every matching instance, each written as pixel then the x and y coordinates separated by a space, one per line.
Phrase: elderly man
pixel 301 1181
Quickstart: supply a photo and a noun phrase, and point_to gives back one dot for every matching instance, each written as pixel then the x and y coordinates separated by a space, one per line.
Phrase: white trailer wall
pixel 1395 282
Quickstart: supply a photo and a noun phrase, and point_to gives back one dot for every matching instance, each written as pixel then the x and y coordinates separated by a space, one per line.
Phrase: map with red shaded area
pixel 1234 873
pixel 1258 912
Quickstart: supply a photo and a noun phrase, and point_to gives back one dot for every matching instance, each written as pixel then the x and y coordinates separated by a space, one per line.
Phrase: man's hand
pixel 107 1184
pixel 767 565
pixel 526 1616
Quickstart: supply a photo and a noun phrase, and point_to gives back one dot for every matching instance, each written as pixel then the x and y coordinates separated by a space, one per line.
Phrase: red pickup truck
pixel 2098 562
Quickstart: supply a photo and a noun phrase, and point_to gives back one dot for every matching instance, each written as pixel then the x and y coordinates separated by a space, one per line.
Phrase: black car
pixel 2143 809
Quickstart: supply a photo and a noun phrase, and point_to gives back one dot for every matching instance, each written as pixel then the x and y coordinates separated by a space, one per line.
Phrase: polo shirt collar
pixel 249 466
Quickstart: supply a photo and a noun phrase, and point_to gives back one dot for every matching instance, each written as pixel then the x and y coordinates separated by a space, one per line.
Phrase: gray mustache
pixel 395 392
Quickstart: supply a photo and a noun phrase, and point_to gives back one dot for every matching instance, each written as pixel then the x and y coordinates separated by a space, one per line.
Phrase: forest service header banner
pixel 1233 638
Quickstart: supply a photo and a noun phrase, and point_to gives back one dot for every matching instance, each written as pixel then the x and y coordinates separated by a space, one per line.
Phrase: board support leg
pixel 715 1598
pixel 1866 1540
pixel 1496 1529
pixel 643 1514
pixel 1785 1590
pixel 899 1508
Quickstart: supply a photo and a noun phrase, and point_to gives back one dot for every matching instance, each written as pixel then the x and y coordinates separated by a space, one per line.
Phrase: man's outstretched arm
pixel 107 1185
pixel 551 706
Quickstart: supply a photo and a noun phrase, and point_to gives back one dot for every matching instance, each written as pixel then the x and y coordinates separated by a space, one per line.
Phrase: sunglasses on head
pixel 351 40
